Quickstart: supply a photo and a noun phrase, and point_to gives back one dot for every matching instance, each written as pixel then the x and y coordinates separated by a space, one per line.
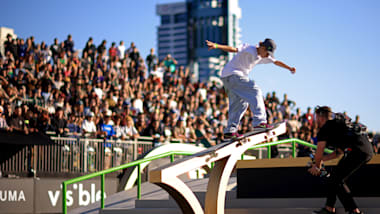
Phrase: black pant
pixel 351 161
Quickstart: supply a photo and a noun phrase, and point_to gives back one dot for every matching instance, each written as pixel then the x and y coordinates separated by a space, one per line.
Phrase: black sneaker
pixel 323 211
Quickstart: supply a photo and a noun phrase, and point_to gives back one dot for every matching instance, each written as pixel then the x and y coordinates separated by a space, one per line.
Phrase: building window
pixel 163 35
pixel 165 19
pixel 180 17
pixel 163 29
pixel 180 34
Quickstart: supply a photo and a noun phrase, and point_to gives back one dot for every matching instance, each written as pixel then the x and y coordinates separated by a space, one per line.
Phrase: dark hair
pixel 323 111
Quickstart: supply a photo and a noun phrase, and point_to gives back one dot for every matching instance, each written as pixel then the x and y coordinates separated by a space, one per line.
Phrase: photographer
pixel 356 149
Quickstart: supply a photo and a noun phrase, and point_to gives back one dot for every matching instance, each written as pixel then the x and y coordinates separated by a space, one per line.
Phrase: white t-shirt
pixel 129 131
pixel 121 50
pixel 88 126
pixel 244 61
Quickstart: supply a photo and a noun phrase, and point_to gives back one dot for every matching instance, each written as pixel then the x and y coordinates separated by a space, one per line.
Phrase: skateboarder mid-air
pixel 240 89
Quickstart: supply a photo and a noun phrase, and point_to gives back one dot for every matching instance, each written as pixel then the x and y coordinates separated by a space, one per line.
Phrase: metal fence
pixel 71 155
pixel 74 155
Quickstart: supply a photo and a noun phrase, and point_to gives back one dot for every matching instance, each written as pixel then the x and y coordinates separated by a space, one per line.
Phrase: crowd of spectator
pixel 116 93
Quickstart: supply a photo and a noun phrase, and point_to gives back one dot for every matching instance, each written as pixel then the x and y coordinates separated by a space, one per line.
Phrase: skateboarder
pixel 240 89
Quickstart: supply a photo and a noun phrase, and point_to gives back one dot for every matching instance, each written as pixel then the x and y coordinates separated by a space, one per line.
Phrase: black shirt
pixel 336 135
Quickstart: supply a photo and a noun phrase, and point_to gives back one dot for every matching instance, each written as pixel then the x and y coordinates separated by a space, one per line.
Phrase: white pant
pixel 242 92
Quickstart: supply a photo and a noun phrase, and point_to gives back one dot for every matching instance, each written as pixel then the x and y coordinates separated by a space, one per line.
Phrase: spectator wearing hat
pixel 88 125
pixel 106 128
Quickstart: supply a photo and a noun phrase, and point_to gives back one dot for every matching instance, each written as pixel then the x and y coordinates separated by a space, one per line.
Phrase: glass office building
pixel 186 25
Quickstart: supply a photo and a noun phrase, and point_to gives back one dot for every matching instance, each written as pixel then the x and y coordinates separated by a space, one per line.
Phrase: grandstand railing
pixel 137 163
pixel 71 155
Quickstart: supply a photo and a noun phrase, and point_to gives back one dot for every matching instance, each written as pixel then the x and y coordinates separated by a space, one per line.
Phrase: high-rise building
pixel 186 25
pixel 172 33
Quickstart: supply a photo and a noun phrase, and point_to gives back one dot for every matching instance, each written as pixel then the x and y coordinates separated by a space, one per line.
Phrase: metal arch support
pixel 225 156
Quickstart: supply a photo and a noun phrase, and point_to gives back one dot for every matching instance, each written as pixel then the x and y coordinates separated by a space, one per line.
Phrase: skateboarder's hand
pixel 293 70
pixel 210 45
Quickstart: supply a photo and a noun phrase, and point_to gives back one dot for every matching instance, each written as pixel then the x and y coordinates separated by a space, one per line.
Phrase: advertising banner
pixel 28 195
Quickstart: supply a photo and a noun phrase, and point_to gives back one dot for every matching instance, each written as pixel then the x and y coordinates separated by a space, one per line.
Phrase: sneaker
pixel 323 211
pixel 264 126
pixel 229 136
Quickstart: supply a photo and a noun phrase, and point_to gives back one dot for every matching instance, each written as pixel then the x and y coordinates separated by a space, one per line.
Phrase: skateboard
pixel 212 150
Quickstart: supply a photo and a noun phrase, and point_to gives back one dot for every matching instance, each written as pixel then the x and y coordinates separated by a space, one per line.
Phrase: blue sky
pixel 333 44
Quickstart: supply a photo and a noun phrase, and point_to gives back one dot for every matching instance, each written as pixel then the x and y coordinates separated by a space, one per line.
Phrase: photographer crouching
pixel 357 151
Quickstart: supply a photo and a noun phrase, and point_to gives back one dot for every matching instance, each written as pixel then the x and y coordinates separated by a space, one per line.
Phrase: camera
pixel 324 172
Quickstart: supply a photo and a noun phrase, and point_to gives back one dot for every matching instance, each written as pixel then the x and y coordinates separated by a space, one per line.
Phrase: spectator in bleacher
pixel 156 130
pixel 119 107
pixel 59 124
pixel 151 60
pixel 121 50
pixel 141 123
pixel 69 45
pixel 180 131
pixel 118 128
pixel 203 135
pixel 3 121
pixel 21 49
pixel 112 51
pixel 102 47
pixel 170 63
pixel 88 125
pixel 293 126
pixel 17 121
pixel 44 122
pixel 130 49
pixel 54 48
pixel 308 116
pixel 274 98
pixel 106 127
pixel 129 129
pixel 90 49
pixel 73 126
pixel 8 43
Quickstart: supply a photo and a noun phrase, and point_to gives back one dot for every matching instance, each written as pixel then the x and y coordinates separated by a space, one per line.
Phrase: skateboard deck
pixel 248 134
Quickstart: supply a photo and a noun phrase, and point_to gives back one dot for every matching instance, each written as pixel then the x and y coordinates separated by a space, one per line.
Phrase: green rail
pixel 163 155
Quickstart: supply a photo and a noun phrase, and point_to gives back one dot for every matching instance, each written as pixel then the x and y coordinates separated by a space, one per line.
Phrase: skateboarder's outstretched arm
pixel 283 65
pixel 226 48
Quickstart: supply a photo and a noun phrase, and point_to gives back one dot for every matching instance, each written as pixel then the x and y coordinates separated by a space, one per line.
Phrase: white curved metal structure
pixel 179 147
pixel 225 155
